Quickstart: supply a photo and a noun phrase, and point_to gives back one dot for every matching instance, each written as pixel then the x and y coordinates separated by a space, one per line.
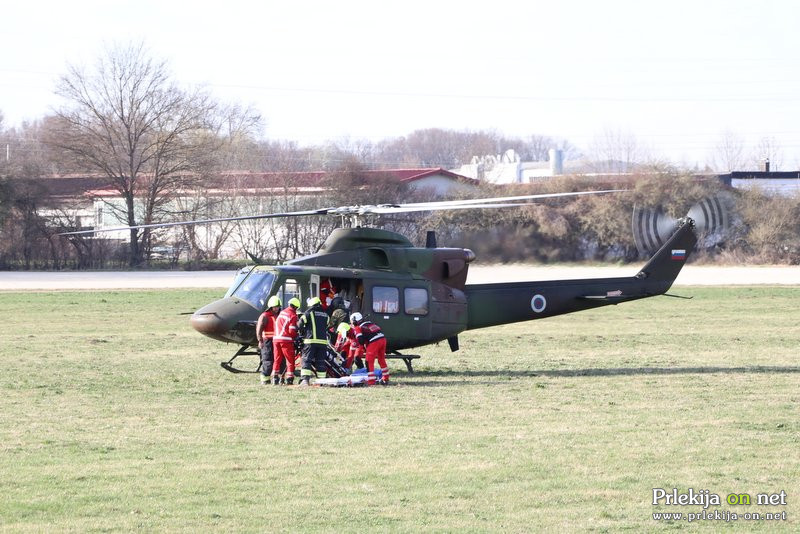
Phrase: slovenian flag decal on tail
pixel 678 254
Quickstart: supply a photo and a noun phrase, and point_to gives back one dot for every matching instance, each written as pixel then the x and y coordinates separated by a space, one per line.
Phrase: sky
pixel 676 76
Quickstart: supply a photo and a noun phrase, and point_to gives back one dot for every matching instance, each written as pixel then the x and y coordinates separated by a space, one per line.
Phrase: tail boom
pixel 503 303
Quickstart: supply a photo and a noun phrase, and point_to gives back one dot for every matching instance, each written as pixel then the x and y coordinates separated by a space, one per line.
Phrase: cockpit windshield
pixel 255 288
pixel 243 272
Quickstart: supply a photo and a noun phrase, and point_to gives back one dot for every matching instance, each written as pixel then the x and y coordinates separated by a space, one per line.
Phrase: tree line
pixel 162 148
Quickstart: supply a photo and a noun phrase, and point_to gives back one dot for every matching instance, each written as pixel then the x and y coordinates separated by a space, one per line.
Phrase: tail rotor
pixel 652 227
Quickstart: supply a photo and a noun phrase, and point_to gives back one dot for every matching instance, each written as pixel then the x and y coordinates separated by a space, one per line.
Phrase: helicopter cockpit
pixel 255 284
pixel 254 287
pixel 243 272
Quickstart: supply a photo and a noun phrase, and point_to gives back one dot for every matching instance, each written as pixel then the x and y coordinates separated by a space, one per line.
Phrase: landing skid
pixel 394 355
pixel 246 350
pixel 243 350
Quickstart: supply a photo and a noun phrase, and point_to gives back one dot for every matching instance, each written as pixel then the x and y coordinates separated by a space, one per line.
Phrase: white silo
pixel 556 161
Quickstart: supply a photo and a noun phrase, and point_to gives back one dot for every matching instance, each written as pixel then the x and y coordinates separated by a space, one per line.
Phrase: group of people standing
pixel 325 324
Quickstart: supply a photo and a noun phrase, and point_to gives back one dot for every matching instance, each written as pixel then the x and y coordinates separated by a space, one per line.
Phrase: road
pixel 690 276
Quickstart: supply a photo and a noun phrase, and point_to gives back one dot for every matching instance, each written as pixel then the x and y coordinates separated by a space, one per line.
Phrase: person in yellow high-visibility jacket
pixel 313 328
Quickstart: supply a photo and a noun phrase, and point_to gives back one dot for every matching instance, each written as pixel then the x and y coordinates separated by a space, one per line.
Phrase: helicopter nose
pixel 227 319
pixel 208 323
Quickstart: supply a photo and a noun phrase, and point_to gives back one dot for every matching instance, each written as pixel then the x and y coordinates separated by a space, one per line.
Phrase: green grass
pixel 115 416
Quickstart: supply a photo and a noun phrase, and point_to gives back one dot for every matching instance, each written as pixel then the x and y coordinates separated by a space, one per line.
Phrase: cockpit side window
pixel 415 300
pixel 290 289
pixel 385 299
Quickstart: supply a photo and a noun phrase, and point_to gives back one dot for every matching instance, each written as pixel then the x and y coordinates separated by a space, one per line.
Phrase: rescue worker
pixel 339 311
pixel 371 337
pixel 336 303
pixel 348 347
pixel 265 330
pixel 325 297
pixel 313 329
pixel 342 344
pixel 285 334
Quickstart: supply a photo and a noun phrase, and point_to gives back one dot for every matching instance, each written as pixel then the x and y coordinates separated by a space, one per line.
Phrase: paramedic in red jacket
pixel 347 346
pixel 265 331
pixel 285 334
pixel 371 336
pixel 343 339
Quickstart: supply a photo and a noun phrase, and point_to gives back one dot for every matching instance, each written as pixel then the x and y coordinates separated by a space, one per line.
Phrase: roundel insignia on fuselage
pixel 538 303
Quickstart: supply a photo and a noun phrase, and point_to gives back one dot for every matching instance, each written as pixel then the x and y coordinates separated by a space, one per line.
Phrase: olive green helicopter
pixel 419 295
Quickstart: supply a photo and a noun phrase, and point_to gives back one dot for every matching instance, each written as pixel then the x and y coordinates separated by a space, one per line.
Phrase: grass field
pixel 115 416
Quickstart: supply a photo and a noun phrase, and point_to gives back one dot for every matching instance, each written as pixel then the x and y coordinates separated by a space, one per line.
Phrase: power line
pixel 787 97
pixel 518 97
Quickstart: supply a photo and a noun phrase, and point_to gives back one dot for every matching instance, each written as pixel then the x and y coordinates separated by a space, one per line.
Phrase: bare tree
pixel 615 151
pixel 769 150
pixel 770 227
pixel 729 153
pixel 346 148
pixel 277 156
pixel 5 186
pixel 435 147
pixel 537 147
pixel 128 121
pixel 281 239
pixel 207 241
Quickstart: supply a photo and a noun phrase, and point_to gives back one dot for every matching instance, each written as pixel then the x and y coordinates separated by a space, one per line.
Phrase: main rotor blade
pixel 509 199
pixel 405 208
pixel 475 203
pixel 321 211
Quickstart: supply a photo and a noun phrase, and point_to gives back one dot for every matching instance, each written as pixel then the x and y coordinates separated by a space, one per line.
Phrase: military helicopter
pixel 418 295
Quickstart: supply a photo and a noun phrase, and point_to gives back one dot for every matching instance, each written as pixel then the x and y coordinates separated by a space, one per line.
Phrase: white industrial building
pixel 508 168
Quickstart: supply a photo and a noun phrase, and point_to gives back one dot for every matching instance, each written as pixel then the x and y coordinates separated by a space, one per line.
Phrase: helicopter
pixel 417 295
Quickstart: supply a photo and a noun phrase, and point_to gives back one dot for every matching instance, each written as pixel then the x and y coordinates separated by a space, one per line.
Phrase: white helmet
pixel 355 317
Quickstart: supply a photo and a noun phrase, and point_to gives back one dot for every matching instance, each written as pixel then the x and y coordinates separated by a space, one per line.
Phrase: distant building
pixel 508 168
pixel 785 183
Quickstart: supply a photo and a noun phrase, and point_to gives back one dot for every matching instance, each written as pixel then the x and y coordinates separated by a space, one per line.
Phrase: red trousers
pixel 377 350
pixel 283 350
pixel 356 351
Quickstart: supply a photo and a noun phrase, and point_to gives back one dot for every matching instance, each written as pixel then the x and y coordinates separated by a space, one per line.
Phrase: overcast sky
pixel 676 75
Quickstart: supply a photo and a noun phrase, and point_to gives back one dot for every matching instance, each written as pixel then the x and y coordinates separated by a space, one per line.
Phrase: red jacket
pixel 286 325
pixel 267 322
pixel 368 332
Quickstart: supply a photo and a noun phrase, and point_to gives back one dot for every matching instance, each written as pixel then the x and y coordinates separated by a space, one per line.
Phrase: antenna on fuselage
pixel 430 239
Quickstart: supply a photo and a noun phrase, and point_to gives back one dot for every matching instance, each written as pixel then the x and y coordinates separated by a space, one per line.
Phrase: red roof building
pixel 438 181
